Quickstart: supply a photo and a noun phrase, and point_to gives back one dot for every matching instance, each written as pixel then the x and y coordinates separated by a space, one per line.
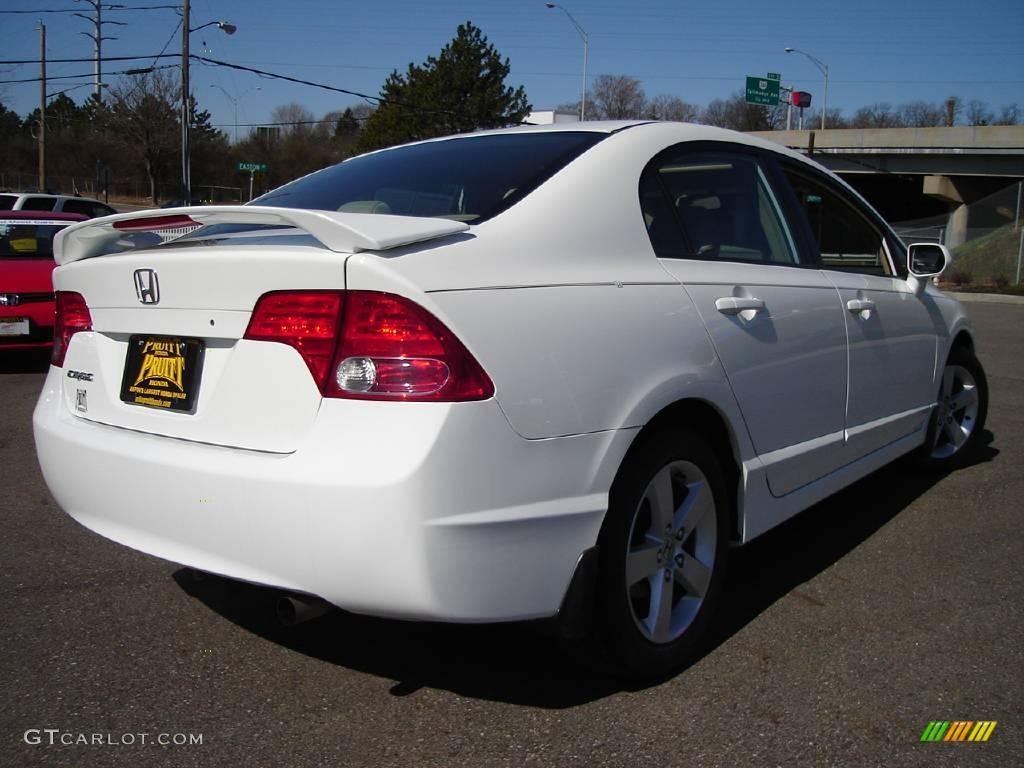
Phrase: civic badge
pixel 147 287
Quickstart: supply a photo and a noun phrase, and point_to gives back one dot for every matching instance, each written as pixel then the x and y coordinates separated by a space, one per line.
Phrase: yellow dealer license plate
pixel 162 372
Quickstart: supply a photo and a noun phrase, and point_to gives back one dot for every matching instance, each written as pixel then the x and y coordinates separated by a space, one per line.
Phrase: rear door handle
pixel 733 305
pixel 860 305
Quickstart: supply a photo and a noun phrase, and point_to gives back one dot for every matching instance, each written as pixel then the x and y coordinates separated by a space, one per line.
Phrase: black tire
pixel 939 453
pixel 637 645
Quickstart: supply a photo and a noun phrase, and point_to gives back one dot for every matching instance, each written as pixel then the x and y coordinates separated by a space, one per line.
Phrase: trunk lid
pixel 194 296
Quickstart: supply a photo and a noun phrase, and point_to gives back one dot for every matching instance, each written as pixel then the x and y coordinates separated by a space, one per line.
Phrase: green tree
pixel 346 124
pixel 209 155
pixel 462 89
pixel 16 144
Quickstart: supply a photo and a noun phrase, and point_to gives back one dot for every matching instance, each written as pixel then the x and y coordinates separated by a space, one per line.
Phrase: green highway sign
pixel 774 76
pixel 253 167
pixel 762 90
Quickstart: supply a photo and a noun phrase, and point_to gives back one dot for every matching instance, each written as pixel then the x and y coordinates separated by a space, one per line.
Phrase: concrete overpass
pixel 910 173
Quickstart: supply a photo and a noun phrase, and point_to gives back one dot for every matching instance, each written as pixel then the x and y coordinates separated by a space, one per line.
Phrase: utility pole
pixel 186 182
pixel 97 40
pixel 42 107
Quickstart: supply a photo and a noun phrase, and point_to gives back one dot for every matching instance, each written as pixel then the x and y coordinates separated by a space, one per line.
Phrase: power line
pixel 275 76
pixel 105 8
pixel 287 122
pixel 76 77
pixel 89 60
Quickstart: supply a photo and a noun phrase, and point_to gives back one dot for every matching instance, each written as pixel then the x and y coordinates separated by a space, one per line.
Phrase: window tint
pixel 713 205
pixel 38 203
pixel 7 202
pixel 848 242
pixel 467 179
pixel 79 206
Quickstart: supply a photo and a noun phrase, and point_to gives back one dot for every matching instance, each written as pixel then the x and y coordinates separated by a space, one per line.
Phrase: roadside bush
pixel 1002 282
pixel 960 277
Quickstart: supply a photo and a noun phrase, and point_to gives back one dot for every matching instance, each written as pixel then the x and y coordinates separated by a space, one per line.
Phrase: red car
pixel 26 284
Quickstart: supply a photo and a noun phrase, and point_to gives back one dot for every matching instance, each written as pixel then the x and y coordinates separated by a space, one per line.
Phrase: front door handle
pixel 860 305
pixel 733 305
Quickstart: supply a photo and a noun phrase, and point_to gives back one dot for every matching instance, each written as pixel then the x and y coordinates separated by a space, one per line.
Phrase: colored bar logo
pixel 958 730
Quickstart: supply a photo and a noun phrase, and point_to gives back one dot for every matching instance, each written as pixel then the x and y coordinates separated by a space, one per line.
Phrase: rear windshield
pixel 467 179
pixel 27 240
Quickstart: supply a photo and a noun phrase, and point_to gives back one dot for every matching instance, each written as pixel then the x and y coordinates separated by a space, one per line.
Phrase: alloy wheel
pixel 670 554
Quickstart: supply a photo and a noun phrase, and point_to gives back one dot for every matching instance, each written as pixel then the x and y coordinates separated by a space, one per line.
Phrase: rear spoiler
pixel 342 232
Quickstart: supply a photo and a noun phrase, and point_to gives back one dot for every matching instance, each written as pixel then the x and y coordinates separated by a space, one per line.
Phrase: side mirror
pixel 924 261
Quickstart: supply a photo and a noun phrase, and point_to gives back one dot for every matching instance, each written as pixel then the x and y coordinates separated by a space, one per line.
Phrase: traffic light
pixel 801 99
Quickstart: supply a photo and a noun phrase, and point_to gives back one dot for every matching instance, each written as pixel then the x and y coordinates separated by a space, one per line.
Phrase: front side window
pixel 468 179
pixel 847 241
pixel 79 206
pixel 713 205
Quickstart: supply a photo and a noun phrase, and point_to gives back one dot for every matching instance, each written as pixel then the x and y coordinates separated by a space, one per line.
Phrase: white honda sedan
pixel 520 374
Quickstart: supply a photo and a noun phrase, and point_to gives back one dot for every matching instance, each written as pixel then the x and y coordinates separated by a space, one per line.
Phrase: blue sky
pixel 877 50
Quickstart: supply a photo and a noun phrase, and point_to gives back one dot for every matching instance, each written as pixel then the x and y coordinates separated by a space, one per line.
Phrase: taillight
pixel 371 346
pixel 305 320
pixel 72 316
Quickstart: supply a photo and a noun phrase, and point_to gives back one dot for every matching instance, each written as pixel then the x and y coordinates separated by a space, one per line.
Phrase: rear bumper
pixel 424 511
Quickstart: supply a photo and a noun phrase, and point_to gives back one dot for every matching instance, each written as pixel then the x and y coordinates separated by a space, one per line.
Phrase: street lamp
pixel 186 30
pixel 586 45
pixel 823 68
pixel 235 101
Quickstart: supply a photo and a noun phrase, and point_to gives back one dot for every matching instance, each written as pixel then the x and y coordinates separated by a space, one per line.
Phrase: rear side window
pixel 467 179
pixel 7 202
pixel 27 240
pixel 87 208
pixel 847 240
pixel 713 205
pixel 38 203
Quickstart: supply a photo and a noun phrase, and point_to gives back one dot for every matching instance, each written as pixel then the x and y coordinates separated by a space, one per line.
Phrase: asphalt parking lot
pixel 846 631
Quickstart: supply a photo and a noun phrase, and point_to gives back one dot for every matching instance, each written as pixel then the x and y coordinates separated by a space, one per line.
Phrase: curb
pixel 985 298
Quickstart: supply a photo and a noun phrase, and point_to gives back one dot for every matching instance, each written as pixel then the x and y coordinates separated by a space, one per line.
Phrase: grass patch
pixel 991 258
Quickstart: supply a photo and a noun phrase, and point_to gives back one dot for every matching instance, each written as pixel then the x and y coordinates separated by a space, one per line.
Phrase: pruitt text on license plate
pixel 162 372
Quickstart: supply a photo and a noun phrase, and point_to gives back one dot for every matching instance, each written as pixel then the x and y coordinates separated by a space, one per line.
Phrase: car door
pixel 891 330
pixel 775 322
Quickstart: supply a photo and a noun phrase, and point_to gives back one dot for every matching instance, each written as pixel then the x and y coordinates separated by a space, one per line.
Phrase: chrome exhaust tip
pixel 296 609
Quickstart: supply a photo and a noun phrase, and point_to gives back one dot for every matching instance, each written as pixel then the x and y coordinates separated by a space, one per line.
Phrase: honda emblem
pixel 147 287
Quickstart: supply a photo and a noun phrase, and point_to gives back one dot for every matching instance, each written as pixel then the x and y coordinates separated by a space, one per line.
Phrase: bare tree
pixel 144 114
pixel 978 113
pixel 294 119
pixel 618 97
pixel 666 107
pixel 922 114
pixel 877 115
pixel 1009 115
pixel 833 118
pixel 737 114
